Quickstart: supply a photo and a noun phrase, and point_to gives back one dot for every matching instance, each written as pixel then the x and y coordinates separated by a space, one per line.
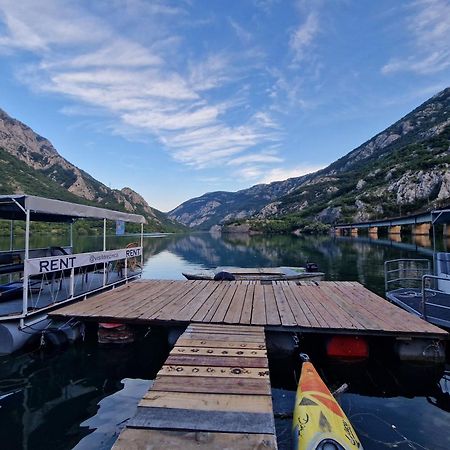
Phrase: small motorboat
pixel 257 273
pixel 319 422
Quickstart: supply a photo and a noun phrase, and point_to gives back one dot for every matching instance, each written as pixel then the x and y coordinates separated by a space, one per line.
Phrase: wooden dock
pixel 322 307
pixel 213 392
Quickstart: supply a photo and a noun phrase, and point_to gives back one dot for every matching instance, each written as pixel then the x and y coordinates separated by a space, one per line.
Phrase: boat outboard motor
pixel 312 267
pixel 224 276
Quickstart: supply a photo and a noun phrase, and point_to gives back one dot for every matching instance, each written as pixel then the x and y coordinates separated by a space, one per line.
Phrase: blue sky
pixel 178 98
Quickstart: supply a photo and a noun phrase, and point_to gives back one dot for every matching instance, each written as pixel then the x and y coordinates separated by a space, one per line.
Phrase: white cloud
pixel 243 34
pixel 429 27
pixel 250 174
pixel 255 159
pixel 302 38
pixel 279 174
pixel 211 72
pixel 139 87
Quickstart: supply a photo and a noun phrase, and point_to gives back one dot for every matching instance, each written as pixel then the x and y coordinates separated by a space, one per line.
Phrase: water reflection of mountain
pixel 340 259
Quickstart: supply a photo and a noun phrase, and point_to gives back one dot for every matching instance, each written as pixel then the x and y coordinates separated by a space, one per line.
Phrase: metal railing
pixel 55 280
pixel 429 287
pixel 405 271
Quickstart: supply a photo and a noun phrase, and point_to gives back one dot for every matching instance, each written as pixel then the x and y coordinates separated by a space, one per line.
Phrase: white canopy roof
pixel 49 210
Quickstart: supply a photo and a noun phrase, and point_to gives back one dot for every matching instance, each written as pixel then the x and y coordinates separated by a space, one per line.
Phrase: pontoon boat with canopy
pixel 37 280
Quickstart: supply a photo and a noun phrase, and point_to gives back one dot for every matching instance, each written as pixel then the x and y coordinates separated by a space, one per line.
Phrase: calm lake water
pixel 82 395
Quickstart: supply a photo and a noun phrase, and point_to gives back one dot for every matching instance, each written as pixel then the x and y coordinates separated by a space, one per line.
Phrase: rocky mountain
pixel 403 169
pixel 30 164
pixel 222 207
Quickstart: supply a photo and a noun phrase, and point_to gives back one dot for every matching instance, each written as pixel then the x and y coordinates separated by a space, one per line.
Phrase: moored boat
pixel 319 422
pixel 33 281
pixel 257 273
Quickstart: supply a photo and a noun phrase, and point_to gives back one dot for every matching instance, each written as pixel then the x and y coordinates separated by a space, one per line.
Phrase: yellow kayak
pixel 319 422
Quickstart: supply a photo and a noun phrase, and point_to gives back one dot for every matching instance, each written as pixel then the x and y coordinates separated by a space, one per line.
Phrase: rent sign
pixel 38 266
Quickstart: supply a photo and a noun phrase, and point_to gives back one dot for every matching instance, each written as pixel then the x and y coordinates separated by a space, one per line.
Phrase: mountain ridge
pixel 346 189
pixel 43 171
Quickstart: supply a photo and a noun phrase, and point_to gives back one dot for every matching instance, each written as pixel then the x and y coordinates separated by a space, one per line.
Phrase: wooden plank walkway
pixel 213 392
pixel 325 306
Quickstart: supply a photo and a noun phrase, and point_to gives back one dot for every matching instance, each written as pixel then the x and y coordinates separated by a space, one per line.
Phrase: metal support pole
pixel 72 283
pixel 104 249
pixel 71 236
pixel 11 235
pixel 434 250
pixel 142 247
pixel 25 270
pixel 11 243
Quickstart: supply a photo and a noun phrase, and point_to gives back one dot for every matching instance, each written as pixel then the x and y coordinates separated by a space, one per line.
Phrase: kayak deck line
pixel 206 400
pixel 333 307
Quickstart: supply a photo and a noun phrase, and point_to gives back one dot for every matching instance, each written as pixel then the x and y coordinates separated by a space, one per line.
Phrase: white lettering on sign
pixel 37 266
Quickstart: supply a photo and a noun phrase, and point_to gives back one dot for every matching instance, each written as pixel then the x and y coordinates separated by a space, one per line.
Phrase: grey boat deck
pixel 437 307
pixel 44 293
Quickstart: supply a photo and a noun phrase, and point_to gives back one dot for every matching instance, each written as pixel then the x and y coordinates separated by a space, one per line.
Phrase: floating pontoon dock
pixel 212 392
pixel 324 307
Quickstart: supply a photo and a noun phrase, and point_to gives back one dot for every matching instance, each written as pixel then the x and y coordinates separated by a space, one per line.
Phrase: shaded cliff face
pixel 404 168
pixel 30 164
pixel 221 207
pixel 401 170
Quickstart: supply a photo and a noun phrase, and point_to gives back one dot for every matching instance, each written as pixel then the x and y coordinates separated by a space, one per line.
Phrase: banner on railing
pixel 49 264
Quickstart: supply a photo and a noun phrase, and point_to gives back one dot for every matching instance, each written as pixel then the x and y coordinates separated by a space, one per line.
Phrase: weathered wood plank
pixel 212 351
pixel 218 344
pixel 286 315
pixel 246 316
pixel 272 314
pixel 168 313
pixel 212 385
pixel 206 370
pixel 139 439
pixel 314 318
pixel 259 306
pixel 224 337
pixel 207 310
pixel 222 361
pixel 133 308
pixel 234 312
pixel 164 301
pixel 300 317
pixel 199 420
pixel 222 309
pixel 208 402
pixel 189 309
pixel 223 327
